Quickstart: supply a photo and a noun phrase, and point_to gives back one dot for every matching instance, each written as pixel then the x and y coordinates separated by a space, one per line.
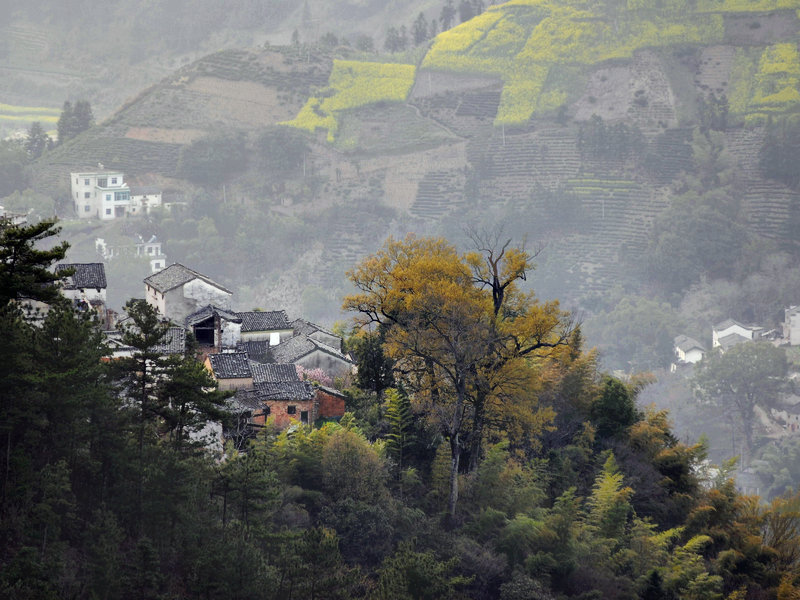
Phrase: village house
pixel 151 249
pixel 231 370
pixel 106 196
pixel 86 285
pixel 272 326
pixel 144 200
pixel 688 351
pixel 215 328
pixel 100 194
pixel 309 351
pixel 178 291
pixel 729 332
pixel 791 325
pixel 174 343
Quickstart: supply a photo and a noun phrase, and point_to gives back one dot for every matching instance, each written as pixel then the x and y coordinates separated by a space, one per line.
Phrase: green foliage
pixel 778 158
pixel 24 270
pixel 74 120
pixel 399 417
pixel 614 411
pixel 410 575
pixel 746 376
pixel 213 159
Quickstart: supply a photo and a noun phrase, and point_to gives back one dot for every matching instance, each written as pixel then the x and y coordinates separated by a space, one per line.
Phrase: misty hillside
pixel 500 116
pixel 107 52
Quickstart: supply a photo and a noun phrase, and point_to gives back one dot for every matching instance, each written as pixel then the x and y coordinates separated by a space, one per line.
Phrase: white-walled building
pixel 151 249
pixel 730 332
pixel 86 285
pixel 144 200
pixel 178 291
pixel 791 325
pixel 100 194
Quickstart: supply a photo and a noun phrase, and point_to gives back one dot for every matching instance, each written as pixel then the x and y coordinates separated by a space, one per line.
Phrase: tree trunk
pixel 455 455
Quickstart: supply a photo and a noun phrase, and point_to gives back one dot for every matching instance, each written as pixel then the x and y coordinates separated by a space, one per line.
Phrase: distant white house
pixel 144 200
pixel 140 248
pixel 104 195
pixel 688 350
pixel 100 194
pixel 791 325
pixel 729 332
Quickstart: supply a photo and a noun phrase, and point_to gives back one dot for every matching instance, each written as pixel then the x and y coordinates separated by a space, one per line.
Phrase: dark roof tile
pixel 273 373
pixel 230 365
pixel 86 275
pixel 176 275
pixel 271 320
pixel 287 390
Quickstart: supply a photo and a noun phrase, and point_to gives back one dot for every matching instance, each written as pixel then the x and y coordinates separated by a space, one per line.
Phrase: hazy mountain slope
pixel 499 125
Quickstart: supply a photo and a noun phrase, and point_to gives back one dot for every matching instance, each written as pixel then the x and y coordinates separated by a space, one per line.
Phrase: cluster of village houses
pixel 258 355
pixel 729 333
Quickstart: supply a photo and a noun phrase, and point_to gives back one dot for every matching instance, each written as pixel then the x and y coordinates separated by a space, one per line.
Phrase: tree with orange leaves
pixel 464 338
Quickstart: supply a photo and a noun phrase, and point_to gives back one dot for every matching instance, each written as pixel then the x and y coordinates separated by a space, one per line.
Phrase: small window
pixel 108 211
pixel 291 410
pixel 113 180
pixel 76 181
pixel 85 182
pixel 87 194
pixel 87 208
pixel 108 197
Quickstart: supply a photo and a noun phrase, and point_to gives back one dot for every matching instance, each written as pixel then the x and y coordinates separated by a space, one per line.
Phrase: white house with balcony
pixel 100 194
pixel 105 195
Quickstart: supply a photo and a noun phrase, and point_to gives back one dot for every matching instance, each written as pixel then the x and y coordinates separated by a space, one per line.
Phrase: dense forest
pixel 484 455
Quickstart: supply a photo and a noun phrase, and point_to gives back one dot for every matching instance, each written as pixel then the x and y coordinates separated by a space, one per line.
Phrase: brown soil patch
pixel 165 136
pixel 243 102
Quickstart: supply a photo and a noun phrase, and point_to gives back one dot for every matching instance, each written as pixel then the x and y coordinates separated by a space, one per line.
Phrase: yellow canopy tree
pixel 464 339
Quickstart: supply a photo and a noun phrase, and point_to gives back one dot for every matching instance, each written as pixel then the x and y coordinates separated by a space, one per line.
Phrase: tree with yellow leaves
pixel 464 339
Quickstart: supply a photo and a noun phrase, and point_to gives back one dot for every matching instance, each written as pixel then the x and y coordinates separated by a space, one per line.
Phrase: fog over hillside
pixel 646 150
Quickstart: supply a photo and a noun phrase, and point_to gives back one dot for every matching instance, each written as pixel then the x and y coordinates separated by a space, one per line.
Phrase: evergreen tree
pixel 448 15
pixel 393 41
pixel 419 30
pixel 24 270
pixel 399 417
pixel 37 141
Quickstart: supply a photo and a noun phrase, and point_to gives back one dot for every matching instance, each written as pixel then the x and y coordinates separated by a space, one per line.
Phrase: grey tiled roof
pixel 299 346
pixel 209 311
pixel 303 327
pixel 273 373
pixel 271 320
pixel 287 390
pixel 685 343
pixel 292 349
pixel 174 342
pixel 728 323
pixel 732 339
pixel 246 400
pixel 230 365
pixel 86 275
pixel 176 275
pixel 257 350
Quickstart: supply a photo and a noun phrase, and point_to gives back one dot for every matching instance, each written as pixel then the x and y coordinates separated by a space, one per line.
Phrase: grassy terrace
pixel 522 41
pixel 352 85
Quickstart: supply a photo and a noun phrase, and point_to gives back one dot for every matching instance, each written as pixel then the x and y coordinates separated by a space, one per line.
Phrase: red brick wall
pixel 278 409
pixel 330 405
